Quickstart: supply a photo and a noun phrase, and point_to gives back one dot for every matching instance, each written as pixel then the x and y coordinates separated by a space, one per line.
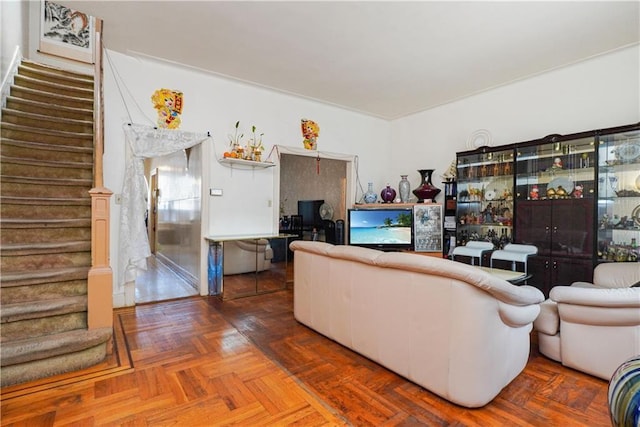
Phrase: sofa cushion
pixel 616 274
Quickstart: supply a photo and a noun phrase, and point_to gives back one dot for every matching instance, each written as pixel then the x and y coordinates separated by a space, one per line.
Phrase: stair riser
pixel 45 261
pixel 55 123
pixel 49 110
pixel 39 171
pixel 16 294
pixel 43 235
pixel 43 326
pixel 52 88
pixel 42 190
pixel 53 77
pixel 44 212
pixel 11 150
pixel 30 371
pixel 47 98
pixel 43 137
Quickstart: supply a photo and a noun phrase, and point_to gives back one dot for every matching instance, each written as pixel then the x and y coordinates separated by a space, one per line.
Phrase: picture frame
pixel 66 32
pixel 427 227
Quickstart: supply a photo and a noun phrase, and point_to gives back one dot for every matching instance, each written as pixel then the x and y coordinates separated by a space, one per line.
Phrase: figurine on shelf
pixel 577 191
pixel 534 194
pixel 557 163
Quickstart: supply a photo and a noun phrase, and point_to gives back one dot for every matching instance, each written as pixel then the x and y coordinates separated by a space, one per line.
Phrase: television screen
pixel 381 228
pixel 310 211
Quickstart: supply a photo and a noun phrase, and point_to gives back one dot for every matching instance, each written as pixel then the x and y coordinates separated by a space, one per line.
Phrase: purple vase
pixel 426 190
pixel 388 194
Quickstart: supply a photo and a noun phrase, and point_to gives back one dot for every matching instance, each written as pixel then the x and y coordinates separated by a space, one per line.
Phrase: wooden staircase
pixel 47 170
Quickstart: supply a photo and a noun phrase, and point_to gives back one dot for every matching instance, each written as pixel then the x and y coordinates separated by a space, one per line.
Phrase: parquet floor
pixel 203 362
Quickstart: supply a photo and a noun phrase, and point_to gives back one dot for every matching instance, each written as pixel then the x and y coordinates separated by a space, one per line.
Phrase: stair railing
pixel 100 280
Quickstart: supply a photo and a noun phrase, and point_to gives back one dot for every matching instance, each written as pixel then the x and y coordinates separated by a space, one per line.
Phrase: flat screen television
pixel 387 229
pixel 310 211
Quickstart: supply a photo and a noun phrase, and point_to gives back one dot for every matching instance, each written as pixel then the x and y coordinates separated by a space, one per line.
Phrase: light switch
pixel 215 191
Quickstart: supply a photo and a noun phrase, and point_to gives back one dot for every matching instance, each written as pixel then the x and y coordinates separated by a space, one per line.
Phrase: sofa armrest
pixel 548 321
pixel 598 297
pixel 518 316
pixel 601 307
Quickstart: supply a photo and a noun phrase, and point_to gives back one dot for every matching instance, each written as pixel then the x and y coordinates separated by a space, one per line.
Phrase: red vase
pixel 388 194
pixel 426 190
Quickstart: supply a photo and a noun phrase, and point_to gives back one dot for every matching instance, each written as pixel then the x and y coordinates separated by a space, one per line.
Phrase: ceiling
pixel 383 58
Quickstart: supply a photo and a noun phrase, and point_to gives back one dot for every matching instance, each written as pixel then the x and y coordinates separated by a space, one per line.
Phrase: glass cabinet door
pixel 485 196
pixel 556 170
pixel 619 197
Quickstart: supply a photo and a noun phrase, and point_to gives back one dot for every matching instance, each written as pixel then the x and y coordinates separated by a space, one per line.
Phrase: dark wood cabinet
pixel 562 230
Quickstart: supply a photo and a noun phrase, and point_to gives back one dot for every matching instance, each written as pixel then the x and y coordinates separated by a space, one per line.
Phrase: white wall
pixel 214 104
pixel 597 93
pixel 14 21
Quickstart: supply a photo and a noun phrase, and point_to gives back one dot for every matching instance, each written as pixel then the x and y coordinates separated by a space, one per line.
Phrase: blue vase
pixel 370 196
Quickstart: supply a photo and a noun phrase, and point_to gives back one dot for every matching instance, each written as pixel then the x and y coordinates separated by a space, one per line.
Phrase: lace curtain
pixel 142 142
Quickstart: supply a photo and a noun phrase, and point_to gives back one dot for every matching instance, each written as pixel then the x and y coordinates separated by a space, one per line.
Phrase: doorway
pixel 315 176
pixel 173 227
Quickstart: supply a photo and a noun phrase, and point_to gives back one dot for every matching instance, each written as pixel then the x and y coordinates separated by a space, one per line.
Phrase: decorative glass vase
pixel 624 394
pixel 426 190
pixel 370 196
pixel 388 194
pixel 404 188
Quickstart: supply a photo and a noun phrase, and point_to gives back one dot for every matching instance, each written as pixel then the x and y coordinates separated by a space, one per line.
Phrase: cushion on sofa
pixel 616 274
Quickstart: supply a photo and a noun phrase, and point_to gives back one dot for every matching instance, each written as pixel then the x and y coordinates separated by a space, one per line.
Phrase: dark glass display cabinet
pixel 575 197
pixel 554 200
pixel 618 213
pixel 485 195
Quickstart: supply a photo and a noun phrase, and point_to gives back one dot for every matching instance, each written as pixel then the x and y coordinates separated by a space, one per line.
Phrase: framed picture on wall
pixel 66 32
pixel 427 227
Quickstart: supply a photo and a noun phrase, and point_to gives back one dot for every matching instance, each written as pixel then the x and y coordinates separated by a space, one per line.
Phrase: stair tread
pixel 46 245
pixel 55 97
pixel 49 69
pixel 25 350
pixel 9 310
pixel 49 132
pixel 87 93
pixel 43 117
pixel 39 104
pixel 22 160
pixel 46 181
pixel 15 278
pixel 44 223
pixel 47 146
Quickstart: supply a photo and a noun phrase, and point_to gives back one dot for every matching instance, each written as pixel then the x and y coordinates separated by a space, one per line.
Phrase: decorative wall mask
pixel 310 132
pixel 169 105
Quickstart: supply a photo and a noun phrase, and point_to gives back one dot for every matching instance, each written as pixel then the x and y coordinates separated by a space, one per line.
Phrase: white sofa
pixel 246 256
pixel 447 326
pixel 593 327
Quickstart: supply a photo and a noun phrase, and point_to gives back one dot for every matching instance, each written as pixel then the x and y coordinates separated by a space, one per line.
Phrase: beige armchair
pixel 593 327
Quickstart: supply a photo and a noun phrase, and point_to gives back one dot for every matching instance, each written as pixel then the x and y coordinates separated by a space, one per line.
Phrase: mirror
pixel 254 266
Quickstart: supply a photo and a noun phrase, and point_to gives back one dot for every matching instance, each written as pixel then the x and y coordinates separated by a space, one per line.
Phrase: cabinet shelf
pixel 231 162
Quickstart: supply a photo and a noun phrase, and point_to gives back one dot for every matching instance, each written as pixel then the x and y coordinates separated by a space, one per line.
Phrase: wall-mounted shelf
pixel 231 162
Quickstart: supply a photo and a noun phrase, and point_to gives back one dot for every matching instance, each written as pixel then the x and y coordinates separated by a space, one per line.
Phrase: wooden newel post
pixel 100 280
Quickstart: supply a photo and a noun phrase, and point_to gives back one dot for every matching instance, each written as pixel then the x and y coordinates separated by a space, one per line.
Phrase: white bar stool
pixel 473 249
pixel 515 253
